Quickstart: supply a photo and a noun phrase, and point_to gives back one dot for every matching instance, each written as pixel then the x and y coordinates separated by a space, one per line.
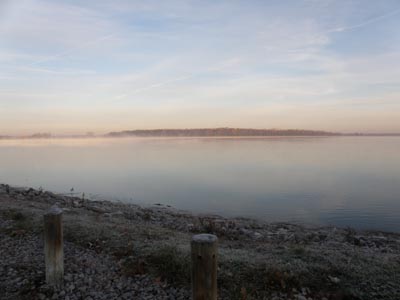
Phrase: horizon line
pixel 119 133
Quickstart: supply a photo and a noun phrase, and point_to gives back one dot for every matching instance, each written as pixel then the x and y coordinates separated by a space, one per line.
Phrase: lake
pixel 341 181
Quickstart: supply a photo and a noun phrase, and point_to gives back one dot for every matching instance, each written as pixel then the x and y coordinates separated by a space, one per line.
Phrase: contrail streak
pixel 158 84
pixel 166 82
pixel 370 21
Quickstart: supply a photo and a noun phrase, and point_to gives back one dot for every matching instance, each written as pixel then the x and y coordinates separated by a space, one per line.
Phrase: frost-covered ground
pixel 122 251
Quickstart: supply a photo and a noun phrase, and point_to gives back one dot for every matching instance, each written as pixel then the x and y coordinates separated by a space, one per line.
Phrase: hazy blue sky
pixel 77 66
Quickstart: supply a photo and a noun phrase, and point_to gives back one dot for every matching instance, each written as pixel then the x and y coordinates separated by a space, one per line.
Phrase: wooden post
pixel 54 246
pixel 204 266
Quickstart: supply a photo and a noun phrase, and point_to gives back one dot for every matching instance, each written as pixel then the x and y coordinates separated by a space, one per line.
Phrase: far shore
pixel 257 260
pixel 96 137
pixel 221 132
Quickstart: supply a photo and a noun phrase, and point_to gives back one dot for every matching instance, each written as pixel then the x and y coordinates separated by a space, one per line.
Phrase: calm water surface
pixel 343 181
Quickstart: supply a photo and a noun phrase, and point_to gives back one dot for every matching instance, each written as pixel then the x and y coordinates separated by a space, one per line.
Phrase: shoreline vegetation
pixel 124 251
pixel 202 132
pixel 219 132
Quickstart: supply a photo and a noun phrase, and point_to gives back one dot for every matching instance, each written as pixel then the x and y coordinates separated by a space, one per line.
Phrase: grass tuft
pixel 171 264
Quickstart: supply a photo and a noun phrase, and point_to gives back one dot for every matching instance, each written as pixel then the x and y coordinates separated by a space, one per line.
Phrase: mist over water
pixel 342 181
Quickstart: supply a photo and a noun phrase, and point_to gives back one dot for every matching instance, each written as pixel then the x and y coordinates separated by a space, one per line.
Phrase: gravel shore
pixel 124 251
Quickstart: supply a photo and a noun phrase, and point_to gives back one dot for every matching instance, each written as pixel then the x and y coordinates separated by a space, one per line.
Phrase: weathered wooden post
pixel 54 246
pixel 204 266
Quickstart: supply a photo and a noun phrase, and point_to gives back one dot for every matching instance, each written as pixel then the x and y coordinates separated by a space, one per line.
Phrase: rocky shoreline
pixel 125 251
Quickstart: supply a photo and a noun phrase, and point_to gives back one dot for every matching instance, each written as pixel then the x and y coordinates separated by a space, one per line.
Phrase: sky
pixel 69 67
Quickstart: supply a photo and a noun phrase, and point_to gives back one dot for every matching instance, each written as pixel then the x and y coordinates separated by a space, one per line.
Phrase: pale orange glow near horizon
pixel 72 67
pixel 60 123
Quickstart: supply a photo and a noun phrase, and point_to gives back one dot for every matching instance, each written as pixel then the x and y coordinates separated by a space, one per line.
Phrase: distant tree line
pixel 220 132
pixel 33 136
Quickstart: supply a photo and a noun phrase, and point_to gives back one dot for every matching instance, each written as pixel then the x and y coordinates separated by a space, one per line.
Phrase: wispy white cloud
pixel 173 59
pixel 87 44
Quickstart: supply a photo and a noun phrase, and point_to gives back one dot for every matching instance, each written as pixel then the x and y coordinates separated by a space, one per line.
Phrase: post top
pixel 204 238
pixel 54 210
